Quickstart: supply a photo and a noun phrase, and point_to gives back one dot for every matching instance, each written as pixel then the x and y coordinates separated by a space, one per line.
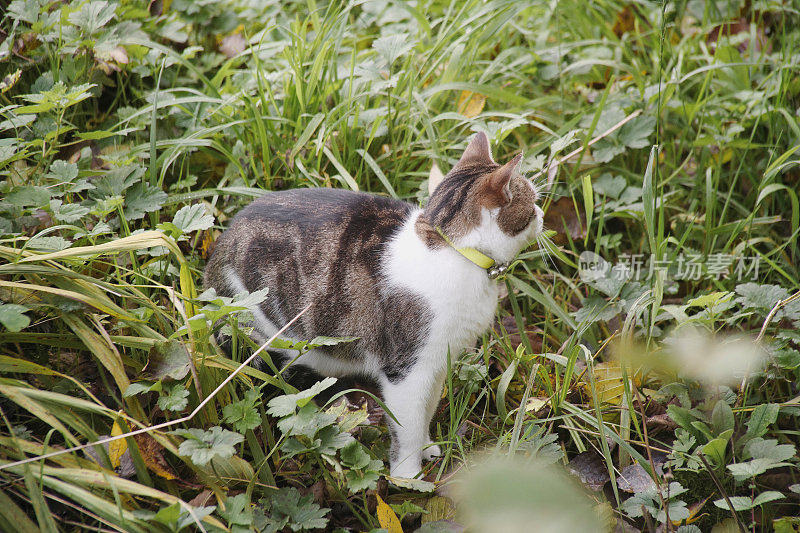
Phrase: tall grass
pixel 367 96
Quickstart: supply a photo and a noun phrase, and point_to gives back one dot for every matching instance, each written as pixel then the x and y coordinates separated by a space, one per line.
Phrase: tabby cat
pixel 386 272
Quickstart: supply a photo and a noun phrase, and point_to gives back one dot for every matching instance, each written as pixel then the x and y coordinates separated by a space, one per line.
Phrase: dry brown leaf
pixel 150 451
pixel 201 499
pixel 564 212
pixel 471 104
pixel 118 54
pixel 634 478
pixel 158 7
pixel 533 333
pixel 590 469
pixel 624 22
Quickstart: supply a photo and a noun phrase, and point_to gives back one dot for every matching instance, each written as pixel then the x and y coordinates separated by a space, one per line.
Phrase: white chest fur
pixel 460 294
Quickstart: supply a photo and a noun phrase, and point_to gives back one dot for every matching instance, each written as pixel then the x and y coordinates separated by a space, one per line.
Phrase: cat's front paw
pixel 431 451
pixel 405 470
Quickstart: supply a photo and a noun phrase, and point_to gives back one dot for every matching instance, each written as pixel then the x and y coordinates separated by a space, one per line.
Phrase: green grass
pixel 117 120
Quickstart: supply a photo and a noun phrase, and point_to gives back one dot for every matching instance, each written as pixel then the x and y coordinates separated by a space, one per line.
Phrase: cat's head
pixel 484 205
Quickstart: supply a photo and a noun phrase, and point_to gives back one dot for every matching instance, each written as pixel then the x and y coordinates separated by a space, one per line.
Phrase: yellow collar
pixel 478 258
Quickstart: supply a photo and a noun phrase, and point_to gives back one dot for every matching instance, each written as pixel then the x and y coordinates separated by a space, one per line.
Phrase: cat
pixel 386 272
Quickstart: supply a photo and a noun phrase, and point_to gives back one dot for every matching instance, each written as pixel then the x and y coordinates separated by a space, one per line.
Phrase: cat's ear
pixel 497 181
pixel 477 152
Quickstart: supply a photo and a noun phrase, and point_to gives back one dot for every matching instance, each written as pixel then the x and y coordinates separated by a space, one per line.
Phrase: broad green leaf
pixel 62 171
pixel 169 359
pixel 769 449
pixel 201 446
pixel 288 403
pixel 288 506
pixel 763 416
pixel 307 421
pixel 745 503
pixel 91 16
pixel 760 296
pixel 13 317
pixel 609 185
pixel 355 456
pixel 709 300
pixel 237 511
pixel 391 47
pixel 141 199
pixel 28 196
pixel 636 133
pixel 68 213
pixel 243 414
pixel 752 468
pixel 722 417
pixel 715 450
pixel 193 218
pixel 174 398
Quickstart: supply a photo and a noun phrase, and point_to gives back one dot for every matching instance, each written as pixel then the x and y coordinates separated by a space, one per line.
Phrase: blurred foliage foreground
pixel 643 370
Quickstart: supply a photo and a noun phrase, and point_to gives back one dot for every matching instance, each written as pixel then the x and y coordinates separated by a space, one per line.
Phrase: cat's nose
pixel 537 212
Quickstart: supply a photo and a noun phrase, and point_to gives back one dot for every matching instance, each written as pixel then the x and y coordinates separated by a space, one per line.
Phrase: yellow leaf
pixel 608 381
pixel 694 513
pixel 439 508
pixel 535 404
pixel 116 448
pixel 471 104
pixel 386 517
pixel 9 81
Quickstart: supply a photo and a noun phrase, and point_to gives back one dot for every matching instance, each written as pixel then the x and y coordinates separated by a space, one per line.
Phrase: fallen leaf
pixel 419 485
pixel 536 404
pixel 348 416
pixel 124 467
pixel 118 54
pixel 439 508
pixel 634 478
pixel 471 104
pixel 116 447
pixel 624 22
pixel 387 517
pixel 27 42
pixel 435 177
pixel 590 469
pixel 563 212
pixel 607 382
pixel 533 333
pixel 207 240
pixel 150 450
pixel 201 499
pixel 233 45
pixel 694 513
pixel 441 526
pixel 158 7
pixel 10 80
